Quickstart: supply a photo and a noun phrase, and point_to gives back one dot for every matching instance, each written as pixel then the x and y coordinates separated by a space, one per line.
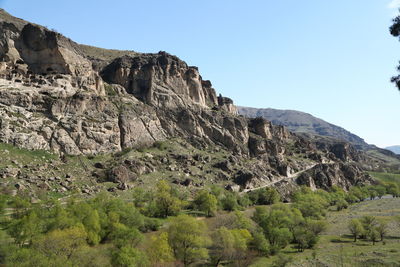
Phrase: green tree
pixel 205 202
pixel 380 190
pixel 382 229
pixel 395 31
pixel 62 243
pixel 279 238
pixel 310 204
pixel 188 239
pixel 356 228
pixel 260 243
pixel 122 235
pixel 393 189
pixel 242 238
pixel 92 225
pixel 304 238
pixel 165 203
pixel 129 257
pixel 28 257
pixel 265 196
pixel 25 229
pixel 159 251
pixel 341 204
pixel 369 223
pixel 229 202
pixel 373 235
pixel 223 245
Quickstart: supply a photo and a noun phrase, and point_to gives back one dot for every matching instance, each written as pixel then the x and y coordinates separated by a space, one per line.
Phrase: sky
pixel 332 59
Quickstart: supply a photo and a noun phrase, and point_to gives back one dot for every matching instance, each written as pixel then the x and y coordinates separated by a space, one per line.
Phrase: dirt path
pixel 291 177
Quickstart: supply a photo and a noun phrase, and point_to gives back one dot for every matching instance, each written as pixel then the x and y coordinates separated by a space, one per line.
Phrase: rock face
pixel 160 80
pixel 324 176
pixel 55 95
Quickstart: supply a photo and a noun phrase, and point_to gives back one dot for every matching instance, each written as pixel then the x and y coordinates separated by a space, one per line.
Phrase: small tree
pixel 341 204
pixel 229 202
pixel 188 239
pixel 373 236
pixel 223 245
pixel 159 251
pixel 206 202
pixel 369 223
pixel 382 229
pixel 129 256
pixel 279 238
pixel 64 243
pixel 166 204
pixel 356 228
pixel 265 196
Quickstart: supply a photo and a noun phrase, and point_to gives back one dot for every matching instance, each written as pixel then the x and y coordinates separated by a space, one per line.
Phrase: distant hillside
pixel 301 122
pixel 394 149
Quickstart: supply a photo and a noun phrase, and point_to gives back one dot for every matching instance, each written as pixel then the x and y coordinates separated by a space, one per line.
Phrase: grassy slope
pixel 105 54
pixel 336 247
pixel 386 177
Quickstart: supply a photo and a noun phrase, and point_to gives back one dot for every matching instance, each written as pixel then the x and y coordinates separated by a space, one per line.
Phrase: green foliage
pixel 229 202
pixel 310 204
pixel 260 243
pixel 341 204
pixel 282 260
pixel 159 251
pixel 165 204
pixel 129 257
pixel 26 257
pixel 242 238
pixel 25 229
pixel 205 202
pixel 229 244
pixel 60 233
pixel 188 239
pixel 356 228
pixel 382 229
pixel 223 245
pixel 122 235
pixel 265 196
pixel 62 243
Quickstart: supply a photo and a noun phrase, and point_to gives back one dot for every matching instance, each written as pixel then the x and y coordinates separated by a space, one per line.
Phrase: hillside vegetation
pixel 211 227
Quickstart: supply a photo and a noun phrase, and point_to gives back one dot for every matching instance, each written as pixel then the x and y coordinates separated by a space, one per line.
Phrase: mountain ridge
pixel 302 122
pixel 394 149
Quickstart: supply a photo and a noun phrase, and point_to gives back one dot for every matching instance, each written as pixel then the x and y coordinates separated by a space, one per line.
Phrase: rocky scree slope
pixel 60 96
pixel 321 132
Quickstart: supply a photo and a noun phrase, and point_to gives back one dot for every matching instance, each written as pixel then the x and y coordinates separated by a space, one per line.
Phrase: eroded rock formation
pixel 54 96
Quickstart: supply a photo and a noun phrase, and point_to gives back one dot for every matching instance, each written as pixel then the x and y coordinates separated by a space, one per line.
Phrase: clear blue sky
pixel 333 59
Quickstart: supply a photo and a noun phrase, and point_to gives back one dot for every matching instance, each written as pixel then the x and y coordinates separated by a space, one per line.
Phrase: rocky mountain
pixel 394 149
pixel 131 118
pixel 301 122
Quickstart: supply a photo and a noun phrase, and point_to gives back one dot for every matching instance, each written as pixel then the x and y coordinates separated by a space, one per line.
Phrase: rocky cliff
pixel 63 97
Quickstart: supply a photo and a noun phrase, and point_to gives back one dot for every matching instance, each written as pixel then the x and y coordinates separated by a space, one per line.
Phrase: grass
pixel 10 153
pixel 380 156
pixel 336 246
pixel 386 177
pixel 105 54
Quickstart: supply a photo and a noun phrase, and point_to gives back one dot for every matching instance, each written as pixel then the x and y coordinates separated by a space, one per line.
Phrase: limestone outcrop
pixel 56 96
pixel 343 175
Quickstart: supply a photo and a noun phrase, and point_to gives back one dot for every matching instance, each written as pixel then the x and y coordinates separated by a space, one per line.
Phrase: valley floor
pixel 336 246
